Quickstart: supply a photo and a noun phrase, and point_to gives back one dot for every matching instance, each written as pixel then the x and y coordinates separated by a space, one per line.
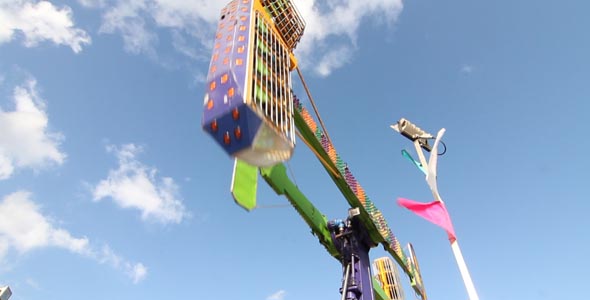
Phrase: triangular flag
pixel 415 162
pixel 435 212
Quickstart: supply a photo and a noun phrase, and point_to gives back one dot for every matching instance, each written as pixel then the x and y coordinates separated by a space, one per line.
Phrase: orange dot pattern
pixel 221 62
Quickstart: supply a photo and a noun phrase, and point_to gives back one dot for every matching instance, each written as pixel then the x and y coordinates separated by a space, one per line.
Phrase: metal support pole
pixel 353 244
pixel 464 271
pixel 345 285
pixel 430 170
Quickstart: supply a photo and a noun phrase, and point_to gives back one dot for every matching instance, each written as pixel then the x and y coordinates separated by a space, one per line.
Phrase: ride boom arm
pixel 277 178
pixel 370 215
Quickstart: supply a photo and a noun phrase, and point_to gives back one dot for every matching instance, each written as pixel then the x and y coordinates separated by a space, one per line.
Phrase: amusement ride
pixel 251 111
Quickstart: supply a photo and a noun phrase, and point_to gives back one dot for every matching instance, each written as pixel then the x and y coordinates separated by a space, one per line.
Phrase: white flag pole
pixel 431 180
pixel 464 271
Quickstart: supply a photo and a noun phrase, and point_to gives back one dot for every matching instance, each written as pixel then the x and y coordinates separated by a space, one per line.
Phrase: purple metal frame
pixel 353 243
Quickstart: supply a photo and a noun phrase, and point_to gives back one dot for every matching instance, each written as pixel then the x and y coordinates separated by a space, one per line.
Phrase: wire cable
pixel 272 206
pixel 444 151
pixel 315 109
pixel 443 143
pixel 322 160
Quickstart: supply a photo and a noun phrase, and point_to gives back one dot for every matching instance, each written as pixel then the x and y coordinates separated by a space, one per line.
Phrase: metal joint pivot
pixel 353 244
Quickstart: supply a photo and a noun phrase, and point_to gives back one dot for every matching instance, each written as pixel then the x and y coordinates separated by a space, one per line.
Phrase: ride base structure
pixel 251 111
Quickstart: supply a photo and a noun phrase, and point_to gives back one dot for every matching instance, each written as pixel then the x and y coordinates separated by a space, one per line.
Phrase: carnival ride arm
pixel 277 178
pixel 370 216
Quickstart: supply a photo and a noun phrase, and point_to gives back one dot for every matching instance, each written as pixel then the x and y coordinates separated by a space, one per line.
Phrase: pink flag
pixel 435 212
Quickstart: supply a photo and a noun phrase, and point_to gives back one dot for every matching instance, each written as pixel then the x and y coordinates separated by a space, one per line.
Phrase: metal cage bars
pixel 271 87
pixel 287 19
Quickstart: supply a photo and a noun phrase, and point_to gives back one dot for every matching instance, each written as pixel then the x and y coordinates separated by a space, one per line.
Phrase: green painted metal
pixel 244 184
pixel 276 176
pixel 313 140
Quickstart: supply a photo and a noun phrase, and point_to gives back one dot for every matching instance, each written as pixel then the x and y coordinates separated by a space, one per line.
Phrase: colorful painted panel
pixel 248 108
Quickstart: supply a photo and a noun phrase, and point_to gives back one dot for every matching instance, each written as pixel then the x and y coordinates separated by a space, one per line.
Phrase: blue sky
pixel 109 188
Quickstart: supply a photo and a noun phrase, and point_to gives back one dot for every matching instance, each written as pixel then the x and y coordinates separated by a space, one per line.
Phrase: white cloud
pixel 137 20
pixel 333 59
pixel 25 141
pixel 125 18
pixel 183 46
pixel 279 295
pixel 33 283
pixel 329 41
pixel 24 228
pixel 332 26
pixel 40 21
pixel 134 185
pixel 92 3
pixel 467 69
pixel 137 272
pixel 6 167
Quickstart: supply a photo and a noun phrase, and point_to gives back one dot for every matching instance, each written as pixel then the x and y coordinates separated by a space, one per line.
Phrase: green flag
pixel 244 184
